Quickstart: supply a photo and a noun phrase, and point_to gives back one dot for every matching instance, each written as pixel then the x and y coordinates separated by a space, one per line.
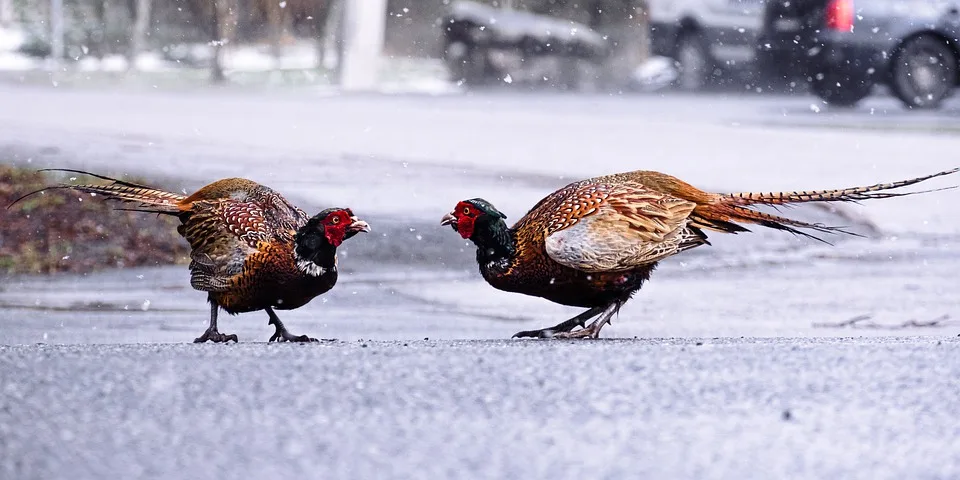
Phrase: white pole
pixel 364 22
pixel 56 32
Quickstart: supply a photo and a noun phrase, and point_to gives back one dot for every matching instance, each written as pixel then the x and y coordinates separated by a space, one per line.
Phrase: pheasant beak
pixel 358 225
pixel 448 219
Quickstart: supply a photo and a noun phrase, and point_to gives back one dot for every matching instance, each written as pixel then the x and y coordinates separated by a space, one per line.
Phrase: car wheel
pixel 923 72
pixel 456 56
pixel 693 63
pixel 840 90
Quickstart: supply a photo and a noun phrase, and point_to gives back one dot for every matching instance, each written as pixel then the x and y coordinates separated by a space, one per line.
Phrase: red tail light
pixel 840 15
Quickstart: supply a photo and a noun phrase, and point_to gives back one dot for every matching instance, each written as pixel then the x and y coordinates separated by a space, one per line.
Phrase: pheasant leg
pixel 592 330
pixel 562 327
pixel 212 334
pixel 282 334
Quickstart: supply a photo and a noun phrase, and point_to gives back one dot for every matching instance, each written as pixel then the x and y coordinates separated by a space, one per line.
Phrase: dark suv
pixel 848 47
pixel 843 47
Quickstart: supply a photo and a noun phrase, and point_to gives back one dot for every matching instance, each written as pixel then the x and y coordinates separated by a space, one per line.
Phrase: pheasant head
pixel 317 241
pixel 480 222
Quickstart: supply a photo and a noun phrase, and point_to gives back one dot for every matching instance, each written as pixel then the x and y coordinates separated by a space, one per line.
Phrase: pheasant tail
pixel 147 199
pixel 880 190
pixel 728 209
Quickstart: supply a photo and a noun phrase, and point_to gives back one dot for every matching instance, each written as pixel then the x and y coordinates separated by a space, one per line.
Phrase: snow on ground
pixel 17 62
pixel 11 39
pixel 242 58
pixel 300 55
pixel 655 74
pixel 10 60
pixel 145 62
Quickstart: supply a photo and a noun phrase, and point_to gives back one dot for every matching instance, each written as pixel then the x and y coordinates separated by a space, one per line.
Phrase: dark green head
pixel 469 214
pixel 318 239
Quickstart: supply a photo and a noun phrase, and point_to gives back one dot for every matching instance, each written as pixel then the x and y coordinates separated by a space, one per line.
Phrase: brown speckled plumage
pixel 251 249
pixel 593 243
pixel 242 239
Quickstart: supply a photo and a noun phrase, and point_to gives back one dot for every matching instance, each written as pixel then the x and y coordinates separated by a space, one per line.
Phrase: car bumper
pixel 663 38
pixel 834 58
pixel 853 59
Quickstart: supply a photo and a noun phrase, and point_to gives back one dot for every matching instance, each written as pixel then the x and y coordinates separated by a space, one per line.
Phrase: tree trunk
pixel 321 15
pixel 95 40
pixel 642 12
pixel 138 38
pixel 224 24
pixel 6 13
pixel 57 40
pixel 276 10
pixel 333 33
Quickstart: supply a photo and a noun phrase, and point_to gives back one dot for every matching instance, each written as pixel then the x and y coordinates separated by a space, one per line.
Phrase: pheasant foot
pixel 562 327
pixel 215 336
pixel 592 330
pixel 282 334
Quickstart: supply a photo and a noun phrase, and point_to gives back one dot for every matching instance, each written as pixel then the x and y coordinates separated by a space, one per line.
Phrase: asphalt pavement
pixel 649 408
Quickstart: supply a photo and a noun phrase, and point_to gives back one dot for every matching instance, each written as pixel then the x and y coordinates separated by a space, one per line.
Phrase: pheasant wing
pixel 223 235
pixel 601 227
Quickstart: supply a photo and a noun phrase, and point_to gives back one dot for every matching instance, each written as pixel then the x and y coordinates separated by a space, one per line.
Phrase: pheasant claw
pixel 542 333
pixel 282 334
pixel 215 336
pixel 285 336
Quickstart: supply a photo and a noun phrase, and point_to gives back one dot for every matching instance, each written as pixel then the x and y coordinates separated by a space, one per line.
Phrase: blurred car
pixel 485 45
pixel 712 41
pixel 911 46
pixel 842 47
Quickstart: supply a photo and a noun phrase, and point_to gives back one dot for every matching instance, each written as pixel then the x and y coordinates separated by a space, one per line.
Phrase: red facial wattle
pixel 336 230
pixel 465 226
pixel 334 234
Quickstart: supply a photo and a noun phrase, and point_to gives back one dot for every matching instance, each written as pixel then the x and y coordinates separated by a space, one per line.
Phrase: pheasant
pixel 593 243
pixel 251 249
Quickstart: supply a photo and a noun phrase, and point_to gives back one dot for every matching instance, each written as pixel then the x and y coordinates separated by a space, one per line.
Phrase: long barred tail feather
pixel 723 217
pixel 839 195
pixel 96 175
pixel 147 199
pixel 729 209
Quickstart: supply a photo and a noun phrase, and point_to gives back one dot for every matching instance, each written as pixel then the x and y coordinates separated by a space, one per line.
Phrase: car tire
pixel 456 54
pixel 923 72
pixel 471 66
pixel 840 90
pixel 693 63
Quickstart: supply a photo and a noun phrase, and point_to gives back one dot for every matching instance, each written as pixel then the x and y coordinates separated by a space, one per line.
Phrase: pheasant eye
pixel 466 210
pixel 335 220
